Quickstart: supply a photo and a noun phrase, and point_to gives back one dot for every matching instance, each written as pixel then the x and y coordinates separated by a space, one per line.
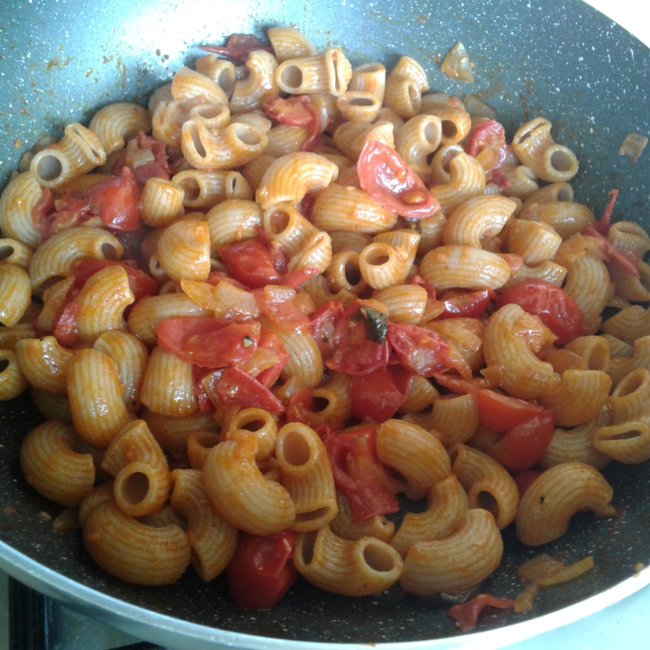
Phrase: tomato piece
pixel 140 283
pixel 420 350
pixel 261 571
pixel 146 157
pixel 359 474
pixel 234 387
pixel 208 342
pixel 556 309
pixel 525 479
pixel 466 615
pixel 324 326
pixel 117 201
pixel 296 111
pixel 470 304
pixel 605 222
pixel 66 327
pixel 268 361
pixel 41 210
pixel 281 306
pixel 198 375
pixel 296 279
pixel 238 47
pixel 487 142
pixel 377 396
pixel 355 354
pixel 501 413
pixel 392 183
pixel 70 211
pixel 624 260
pixel 251 263
pixel 524 446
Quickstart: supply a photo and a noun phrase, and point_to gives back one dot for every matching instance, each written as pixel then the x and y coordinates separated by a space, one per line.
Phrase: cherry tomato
pixel 251 263
pixel 466 615
pixel 117 201
pixel 359 474
pixel 419 350
pixel 234 387
pixel 501 413
pixel 470 304
pixel 238 47
pixel 554 307
pixel 377 395
pixel 208 342
pixel 524 446
pixel 392 183
pixel 296 111
pixel 261 572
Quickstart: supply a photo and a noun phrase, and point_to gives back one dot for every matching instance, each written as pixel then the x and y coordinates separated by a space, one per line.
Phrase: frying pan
pixel 59 62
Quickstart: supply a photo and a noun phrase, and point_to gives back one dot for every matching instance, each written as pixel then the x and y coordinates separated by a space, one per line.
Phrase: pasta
pixel 345 291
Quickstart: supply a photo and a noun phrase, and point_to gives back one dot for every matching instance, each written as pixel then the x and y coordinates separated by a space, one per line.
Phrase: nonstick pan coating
pixel 61 61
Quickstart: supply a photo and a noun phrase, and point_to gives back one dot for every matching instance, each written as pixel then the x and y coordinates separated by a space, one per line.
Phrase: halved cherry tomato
pixel 117 201
pixel 251 263
pixel 208 342
pixel 418 349
pixel 466 615
pixel 296 111
pixel 552 305
pixel 235 387
pixel 377 395
pixel 470 304
pixel 238 47
pixel 392 183
pixel 500 413
pixel 261 572
pixel 140 283
pixel 359 474
pixel 524 446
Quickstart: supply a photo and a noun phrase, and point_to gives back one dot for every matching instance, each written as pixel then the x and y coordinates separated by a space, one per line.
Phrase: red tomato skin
pixel 502 413
pixel 233 386
pixel 556 309
pixel 466 615
pixel 208 342
pixel 238 47
pixel 524 446
pixel 377 396
pixel 66 328
pixel 419 350
pixel 117 200
pixel 467 305
pixel 487 134
pixel 251 263
pixel 261 571
pixel 392 183
pixel 359 474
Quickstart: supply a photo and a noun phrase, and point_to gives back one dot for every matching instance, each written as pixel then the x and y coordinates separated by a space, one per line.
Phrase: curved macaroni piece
pixel 420 395
pixel 161 202
pixel 628 442
pixel 535 241
pixel 260 423
pixel 75 154
pixel 534 146
pixel 382 265
pixel 315 256
pixel 464 267
pixel 233 220
pixel 239 491
pixel 565 217
pixel 44 363
pixel 50 405
pixel 405 84
pixel 9 336
pixel 285 226
pixel 305 358
pixel 447 506
pixel 12 380
pixel 417 455
pixel 362 567
pixel 487 482
pixel 351 137
pixel 18 202
pixel 116 123
pixel 456 123
pixel 590 286
pixel 165 369
pixel 132 551
pixel 138 465
pixel 359 106
pixel 205 188
pixel 191 84
pixel 343 526
pixel 306 474
pixel 289 43
pixel 511 336
pixel 59 253
pixel 477 220
pixel 198 447
pixel 15 252
pixel 548 271
pixel 455 563
pixel 212 539
pixel 329 72
pixel 257 85
pixel 53 467
pixel 555 496
pixel 219 70
pixel 465 178
pixel 15 293
pixel 184 250
pixel 405 302
pixel 290 177
pixel 95 395
pixel 629 324
pixel 284 139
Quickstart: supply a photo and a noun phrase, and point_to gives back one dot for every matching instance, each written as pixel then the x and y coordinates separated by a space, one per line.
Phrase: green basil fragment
pixel 376 324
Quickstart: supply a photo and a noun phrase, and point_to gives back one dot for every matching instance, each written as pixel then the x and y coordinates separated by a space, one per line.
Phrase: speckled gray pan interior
pixel 59 61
